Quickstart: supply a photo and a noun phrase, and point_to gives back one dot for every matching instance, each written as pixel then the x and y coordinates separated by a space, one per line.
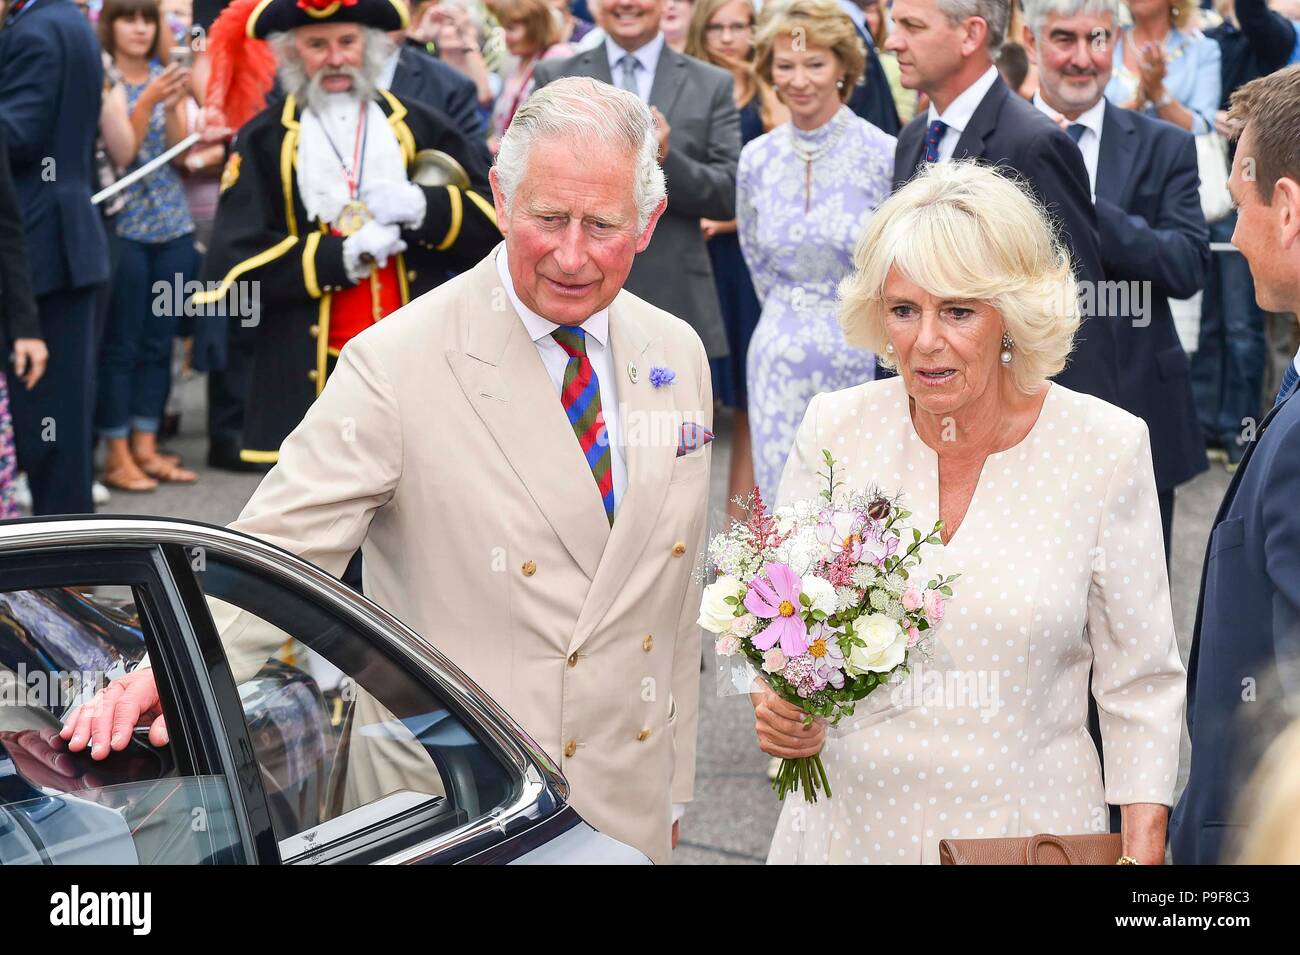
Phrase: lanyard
pixel 358 150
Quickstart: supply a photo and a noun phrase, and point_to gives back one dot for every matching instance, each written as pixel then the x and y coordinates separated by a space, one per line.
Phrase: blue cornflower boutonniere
pixel 660 376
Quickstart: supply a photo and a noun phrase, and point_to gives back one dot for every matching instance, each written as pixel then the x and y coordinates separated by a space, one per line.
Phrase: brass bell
pixel 433 167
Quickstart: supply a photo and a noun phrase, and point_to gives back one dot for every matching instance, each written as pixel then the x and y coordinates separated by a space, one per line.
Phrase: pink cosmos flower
pixel 840 531
pixel 779 603
pixel 876 546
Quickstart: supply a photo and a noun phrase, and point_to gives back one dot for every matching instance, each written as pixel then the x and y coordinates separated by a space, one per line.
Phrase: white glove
pixel 395 203
pixel 371 245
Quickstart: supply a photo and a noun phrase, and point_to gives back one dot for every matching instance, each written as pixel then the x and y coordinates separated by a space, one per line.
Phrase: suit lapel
pixel 650 426
pixel 505 381
pixel 670 73
pixel 982 122
pixel 910 151
pixel 1115 158
pixel 595 63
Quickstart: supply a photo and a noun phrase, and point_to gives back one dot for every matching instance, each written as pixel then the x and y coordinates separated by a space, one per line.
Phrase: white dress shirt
pixel 647 59
pixel 957 116
pixel 322 182
pixel 599 352
pixel 1090 140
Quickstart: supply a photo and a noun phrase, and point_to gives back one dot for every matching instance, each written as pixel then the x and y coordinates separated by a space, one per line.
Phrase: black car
pixel 354 742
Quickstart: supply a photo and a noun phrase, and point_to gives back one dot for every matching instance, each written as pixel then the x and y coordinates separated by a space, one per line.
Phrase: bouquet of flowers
pixel 823 597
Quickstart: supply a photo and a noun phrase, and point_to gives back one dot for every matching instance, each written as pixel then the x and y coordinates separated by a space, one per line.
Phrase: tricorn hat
pixel 277 16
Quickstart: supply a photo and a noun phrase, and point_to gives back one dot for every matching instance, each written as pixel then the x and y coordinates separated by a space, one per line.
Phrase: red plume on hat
pixel 243 69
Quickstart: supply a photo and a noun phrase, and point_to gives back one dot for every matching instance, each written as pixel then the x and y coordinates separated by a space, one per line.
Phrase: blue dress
pixel 736 295
pixel 1192 76
pixel 798 247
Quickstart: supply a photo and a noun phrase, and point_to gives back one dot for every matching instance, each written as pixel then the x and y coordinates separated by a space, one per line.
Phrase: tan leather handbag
pixel 1043 849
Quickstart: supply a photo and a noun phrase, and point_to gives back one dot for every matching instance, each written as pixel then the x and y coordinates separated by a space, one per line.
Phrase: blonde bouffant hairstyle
pixel 812 23
pixel 966 232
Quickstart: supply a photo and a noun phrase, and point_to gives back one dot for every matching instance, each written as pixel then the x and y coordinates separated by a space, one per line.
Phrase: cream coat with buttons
pixel 441 449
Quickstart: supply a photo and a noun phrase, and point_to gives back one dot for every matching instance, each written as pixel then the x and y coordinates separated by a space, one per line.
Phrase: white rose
pixel 716 615
pixel 886 645
pixel 821 593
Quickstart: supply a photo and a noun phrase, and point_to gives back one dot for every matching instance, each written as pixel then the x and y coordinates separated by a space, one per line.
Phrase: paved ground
pixel 735 811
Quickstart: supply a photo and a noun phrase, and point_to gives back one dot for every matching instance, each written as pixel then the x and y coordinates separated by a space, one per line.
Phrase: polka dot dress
pixel 1063 570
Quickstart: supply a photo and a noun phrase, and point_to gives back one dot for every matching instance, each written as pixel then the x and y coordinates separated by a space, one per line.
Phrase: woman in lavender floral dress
pixel 805 193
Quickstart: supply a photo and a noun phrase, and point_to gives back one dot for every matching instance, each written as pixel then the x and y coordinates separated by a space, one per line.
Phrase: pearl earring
pixel 889 348
pixel 1007 345
pixel 839 84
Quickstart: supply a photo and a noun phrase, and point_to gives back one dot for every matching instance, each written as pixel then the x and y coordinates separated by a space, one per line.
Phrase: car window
pixel 357 748
pixel 58 646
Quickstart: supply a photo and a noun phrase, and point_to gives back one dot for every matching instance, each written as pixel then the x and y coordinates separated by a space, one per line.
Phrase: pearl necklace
pixel 811 155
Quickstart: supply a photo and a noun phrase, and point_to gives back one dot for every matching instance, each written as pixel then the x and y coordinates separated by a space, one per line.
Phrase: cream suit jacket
pixel 441 449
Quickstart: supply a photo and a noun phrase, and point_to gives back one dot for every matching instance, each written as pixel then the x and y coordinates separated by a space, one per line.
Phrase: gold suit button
pixel 644 735
pixel 678 549
pixel 313 374
pixel 648 643
pixel 315 331
pixel 573 659
pixel 410 275
pixel 529 568
pixel 570 748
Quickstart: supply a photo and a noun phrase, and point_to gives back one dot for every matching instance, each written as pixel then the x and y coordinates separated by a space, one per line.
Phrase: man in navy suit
pixel 872 98
pixel 416 76
pixel 945 48
pixel 51 83
pixel 1153 237
pixel 1247 634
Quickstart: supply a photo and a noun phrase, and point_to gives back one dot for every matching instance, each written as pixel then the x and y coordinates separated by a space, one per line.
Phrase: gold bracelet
pixel 1127 860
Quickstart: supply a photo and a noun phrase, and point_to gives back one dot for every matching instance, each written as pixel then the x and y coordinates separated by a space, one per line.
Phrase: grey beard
pixel 317 98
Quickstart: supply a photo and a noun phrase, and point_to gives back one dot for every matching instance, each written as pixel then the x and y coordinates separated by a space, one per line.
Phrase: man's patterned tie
pixel 580 396
pixel 934 136
pixel 1288 382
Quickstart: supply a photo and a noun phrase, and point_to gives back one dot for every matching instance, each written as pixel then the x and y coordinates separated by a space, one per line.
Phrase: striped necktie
pixel 934 136
pixel 1288 382
pixel 580 395
pixel 627 74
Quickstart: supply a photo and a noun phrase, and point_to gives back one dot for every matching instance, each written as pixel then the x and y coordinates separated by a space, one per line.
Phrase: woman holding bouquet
pixel 1049 515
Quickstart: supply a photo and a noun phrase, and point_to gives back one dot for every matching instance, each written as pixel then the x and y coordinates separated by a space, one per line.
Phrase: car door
pixel 370 747
pixel 72 619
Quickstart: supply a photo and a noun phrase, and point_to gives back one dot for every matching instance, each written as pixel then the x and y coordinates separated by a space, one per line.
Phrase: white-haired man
pixel 945 48
pixel 523 457
pixel 1142 173
pixel 318 210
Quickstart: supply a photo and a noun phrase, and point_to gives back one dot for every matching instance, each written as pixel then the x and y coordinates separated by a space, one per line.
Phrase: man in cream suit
pixel 449 446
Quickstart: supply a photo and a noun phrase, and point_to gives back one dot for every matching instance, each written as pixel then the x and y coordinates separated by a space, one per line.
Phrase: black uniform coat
pixel 262 233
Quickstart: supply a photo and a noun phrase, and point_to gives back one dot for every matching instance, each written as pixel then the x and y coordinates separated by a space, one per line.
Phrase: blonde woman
pixel 722 33
pixel 804 193
pixel 1049 514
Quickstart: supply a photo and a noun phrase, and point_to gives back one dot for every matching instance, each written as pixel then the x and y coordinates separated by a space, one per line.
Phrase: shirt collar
pixel 597 326
pixel 959 112
pixel 647 56
pixel 1093 118
pixel 856 13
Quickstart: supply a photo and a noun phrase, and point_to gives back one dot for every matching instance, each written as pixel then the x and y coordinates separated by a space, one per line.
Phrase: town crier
pixel 338 204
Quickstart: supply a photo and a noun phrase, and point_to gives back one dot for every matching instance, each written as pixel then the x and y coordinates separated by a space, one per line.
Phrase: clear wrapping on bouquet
pixel 928 663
